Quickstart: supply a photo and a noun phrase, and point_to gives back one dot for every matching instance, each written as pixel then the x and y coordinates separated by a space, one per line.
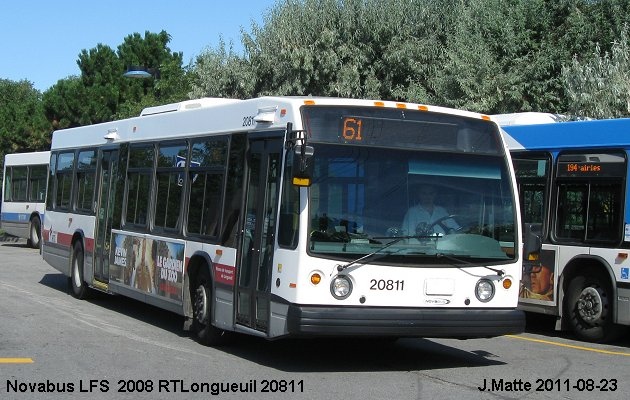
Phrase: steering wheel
pixel 427 228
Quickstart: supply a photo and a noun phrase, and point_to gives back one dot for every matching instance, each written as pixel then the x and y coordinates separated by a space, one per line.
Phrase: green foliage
pixel 221 73
pixel 101 93
pixel 598 86
pixel 169 83
pixel 491 56
pixel 64 103
pixel 353 48
pixel 23 126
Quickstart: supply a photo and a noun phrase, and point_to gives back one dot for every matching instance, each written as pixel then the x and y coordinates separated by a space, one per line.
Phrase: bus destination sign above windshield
pixel 590 169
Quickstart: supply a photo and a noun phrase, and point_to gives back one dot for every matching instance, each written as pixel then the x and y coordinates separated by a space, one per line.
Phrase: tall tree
pixel 65 103
pixel 23 126
pixel 169 82
pixel 101 93
pixel 598 86
pixel 351 48
pixel 220 72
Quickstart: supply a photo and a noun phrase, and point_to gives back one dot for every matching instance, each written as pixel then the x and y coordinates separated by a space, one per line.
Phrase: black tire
pixel 77 284
pixel 589 304
pixel 205 332
pixel 35 233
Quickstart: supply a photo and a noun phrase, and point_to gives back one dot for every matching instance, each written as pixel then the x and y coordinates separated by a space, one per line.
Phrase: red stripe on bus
pixel 89 245
pixel 65 239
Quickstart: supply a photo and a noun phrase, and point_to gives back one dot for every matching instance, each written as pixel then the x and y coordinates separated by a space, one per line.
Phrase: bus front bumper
pixel 403 322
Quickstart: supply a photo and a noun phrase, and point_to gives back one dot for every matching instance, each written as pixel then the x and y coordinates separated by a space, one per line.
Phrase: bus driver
pixel 427 218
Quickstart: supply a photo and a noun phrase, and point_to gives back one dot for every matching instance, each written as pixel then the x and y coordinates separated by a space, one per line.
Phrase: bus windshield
pixel 455 205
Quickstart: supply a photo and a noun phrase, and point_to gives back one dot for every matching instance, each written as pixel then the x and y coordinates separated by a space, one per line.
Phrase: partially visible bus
pixel 23 195
pixel 575 198
pixel 282 216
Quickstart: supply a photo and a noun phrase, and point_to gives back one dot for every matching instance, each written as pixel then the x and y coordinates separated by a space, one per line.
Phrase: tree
pixel 101 93
pixel 505 56
pixel 220 72
pixel 352 48
pixel 65 103
pixel 169 83
pixel 598 86
pixel 23 126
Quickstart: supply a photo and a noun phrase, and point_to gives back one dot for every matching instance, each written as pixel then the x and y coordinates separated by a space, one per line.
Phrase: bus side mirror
pixel 302 169
pixel 532 242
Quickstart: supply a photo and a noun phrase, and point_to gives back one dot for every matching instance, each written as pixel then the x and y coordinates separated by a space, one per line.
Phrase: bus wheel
pixel 76 282
pixel 590 309
pixel 206 333
pixel 35 234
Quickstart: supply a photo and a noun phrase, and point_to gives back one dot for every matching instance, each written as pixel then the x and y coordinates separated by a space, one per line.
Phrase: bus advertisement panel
pixel 147 264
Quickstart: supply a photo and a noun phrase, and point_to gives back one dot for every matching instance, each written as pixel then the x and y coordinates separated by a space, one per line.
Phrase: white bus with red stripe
pixel 283 216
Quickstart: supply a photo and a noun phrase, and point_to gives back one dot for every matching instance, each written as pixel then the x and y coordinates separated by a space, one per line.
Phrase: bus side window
pixel 604 213
pixel 139 175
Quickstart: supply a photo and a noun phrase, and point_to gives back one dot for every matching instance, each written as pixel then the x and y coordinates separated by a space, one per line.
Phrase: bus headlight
pixel 484 290
pixel 341 287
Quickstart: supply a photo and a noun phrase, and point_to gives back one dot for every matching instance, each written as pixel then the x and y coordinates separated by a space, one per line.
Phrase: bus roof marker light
pixel 112 134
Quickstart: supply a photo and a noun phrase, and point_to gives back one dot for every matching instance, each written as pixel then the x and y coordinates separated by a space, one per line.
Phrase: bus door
pixel 106 186
pixel 258 237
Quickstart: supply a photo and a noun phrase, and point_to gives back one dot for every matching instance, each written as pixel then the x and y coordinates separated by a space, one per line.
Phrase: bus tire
pixel 205 332
pixel 590 303
pixel 76 282
pixel 35 233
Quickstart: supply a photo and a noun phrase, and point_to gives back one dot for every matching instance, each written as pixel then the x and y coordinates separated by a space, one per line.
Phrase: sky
pixel 40 40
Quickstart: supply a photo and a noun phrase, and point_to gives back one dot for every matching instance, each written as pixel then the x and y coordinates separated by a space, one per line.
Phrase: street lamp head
pixel 138 72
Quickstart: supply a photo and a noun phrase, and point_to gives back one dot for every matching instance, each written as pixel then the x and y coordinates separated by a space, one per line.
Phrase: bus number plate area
pixel 387 284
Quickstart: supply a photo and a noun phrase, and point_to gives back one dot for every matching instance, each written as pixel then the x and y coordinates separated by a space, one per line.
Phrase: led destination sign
pixel 394 128
pixel 591 165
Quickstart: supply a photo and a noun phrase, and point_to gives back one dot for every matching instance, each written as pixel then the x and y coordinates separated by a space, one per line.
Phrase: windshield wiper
pixel 499 272
pixel 386 245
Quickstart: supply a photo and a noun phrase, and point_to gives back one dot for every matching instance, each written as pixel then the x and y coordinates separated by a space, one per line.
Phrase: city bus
pixel 282 217
pixel 572 180
pixel 23 195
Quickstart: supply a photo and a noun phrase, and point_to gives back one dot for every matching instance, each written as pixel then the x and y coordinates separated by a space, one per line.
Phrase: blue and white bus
pixel 575 198
pixel 23 195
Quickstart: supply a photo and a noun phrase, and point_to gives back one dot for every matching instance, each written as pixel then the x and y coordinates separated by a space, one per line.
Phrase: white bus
pixel 283 216
pixel 23 195
pixel 575 198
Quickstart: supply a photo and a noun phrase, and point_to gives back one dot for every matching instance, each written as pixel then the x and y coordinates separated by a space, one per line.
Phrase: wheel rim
pixel 75 276
pixel 201 305
pixel 592 305
pixel 34 235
